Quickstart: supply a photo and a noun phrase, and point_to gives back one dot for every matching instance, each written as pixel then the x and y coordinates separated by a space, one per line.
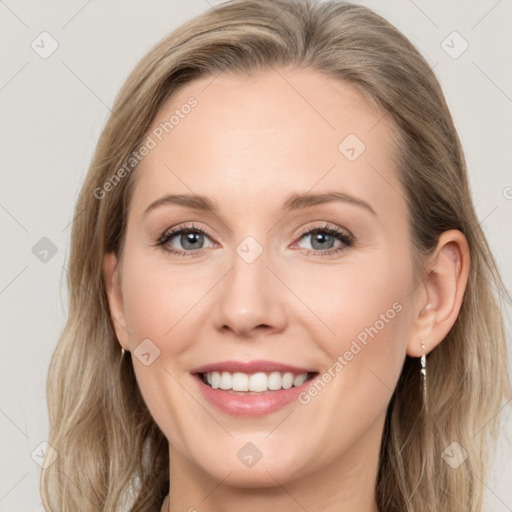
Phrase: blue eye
pixel 323 239
pixel 192 239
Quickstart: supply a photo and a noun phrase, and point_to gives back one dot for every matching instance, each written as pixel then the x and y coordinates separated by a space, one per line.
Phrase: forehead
pixel 240 138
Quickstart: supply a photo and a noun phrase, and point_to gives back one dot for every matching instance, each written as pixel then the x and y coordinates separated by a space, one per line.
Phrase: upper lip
pixel 250 367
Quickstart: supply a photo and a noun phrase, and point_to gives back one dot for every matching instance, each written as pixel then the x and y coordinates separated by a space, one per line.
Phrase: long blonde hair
pixel 105 438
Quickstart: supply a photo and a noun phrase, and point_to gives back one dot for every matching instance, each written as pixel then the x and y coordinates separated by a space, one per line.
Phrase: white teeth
pixel 300 379
pixel 274 381
pixel 287 380
pixel 256 382
pixel 215 377
pixel 240 382
pixel 225 381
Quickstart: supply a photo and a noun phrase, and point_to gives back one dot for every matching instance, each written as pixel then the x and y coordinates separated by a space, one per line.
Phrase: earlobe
pixel 111 278
pixel 444 284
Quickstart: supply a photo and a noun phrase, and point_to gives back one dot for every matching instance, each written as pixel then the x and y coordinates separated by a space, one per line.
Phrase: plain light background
pixel 52 111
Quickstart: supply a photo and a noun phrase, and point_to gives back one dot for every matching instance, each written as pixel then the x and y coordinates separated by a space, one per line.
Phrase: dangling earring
pixel 122 352
pixel 423 372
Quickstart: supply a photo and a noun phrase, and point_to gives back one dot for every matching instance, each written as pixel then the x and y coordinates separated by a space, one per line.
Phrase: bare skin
pixel 248 144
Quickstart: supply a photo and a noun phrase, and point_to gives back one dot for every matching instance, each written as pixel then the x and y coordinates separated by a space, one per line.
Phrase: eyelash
pixel 344 236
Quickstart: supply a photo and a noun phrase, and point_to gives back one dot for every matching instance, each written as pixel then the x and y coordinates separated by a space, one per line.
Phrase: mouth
pixel 252 388
pixel 255 383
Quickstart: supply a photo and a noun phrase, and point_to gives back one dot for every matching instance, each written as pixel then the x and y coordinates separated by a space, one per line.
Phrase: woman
pixel 280 294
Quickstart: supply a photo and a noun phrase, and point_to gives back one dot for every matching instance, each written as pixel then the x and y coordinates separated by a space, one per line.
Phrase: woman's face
pixel 296 261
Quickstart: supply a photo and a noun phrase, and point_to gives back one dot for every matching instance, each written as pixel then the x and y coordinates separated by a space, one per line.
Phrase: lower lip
pixel 250 405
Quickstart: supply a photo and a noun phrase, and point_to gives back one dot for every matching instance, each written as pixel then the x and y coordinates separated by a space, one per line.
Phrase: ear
pixel 440 297
pixel 111 275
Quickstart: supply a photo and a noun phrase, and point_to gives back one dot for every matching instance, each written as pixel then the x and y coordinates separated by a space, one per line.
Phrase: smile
pixel 256 382
pixel 251 388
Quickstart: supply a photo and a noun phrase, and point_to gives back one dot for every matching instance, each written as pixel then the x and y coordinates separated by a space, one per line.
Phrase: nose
pixel 251 301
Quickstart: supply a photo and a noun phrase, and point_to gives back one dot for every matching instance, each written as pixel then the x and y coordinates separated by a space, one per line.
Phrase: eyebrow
pixel 295 201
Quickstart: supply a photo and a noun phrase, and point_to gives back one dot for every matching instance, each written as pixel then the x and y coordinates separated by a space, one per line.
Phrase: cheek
pixel 365 309
pixel 161 300
pixel 156 301
pixel 166 305
pixel 350 300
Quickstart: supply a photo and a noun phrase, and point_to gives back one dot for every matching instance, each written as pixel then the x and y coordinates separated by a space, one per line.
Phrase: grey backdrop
pixel 55 93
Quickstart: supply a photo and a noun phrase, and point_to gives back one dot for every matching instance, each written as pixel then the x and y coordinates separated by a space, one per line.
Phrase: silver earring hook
pixel 423 372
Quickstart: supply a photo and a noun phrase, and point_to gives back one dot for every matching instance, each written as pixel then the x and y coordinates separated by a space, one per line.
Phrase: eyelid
pixel 332 229
pixel 305 229
pixel 326 226
pixel 185 227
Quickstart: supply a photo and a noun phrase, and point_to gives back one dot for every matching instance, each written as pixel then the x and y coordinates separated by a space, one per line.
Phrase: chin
pixel 251 467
